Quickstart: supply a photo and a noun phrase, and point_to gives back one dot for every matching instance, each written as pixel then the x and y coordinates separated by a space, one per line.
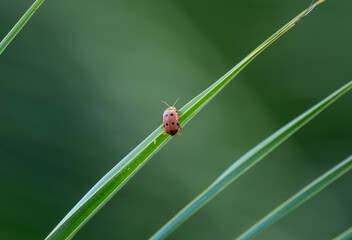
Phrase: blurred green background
pixel 81 85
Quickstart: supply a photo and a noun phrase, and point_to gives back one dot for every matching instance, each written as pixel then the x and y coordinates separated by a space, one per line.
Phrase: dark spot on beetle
pixel 177 124
pixel 171 132
pixel 171 114
pixel 166 115
pixel 167 124
pixel 173 123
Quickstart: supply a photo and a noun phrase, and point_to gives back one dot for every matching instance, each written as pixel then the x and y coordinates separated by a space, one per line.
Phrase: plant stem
pixel 19 25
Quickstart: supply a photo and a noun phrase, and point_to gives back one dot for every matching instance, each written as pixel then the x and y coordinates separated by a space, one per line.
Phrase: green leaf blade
pixel 246 162
pixel 346 235
pixel 113 181
pixel 127 167
pixel 19 25
pixel 203 98
pixel 299 198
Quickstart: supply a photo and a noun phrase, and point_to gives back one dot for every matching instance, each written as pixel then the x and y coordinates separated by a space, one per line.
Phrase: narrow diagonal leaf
pixel 246 162
pixel 19 25
pixel 114 180
pixel 346 235
pixel 296 200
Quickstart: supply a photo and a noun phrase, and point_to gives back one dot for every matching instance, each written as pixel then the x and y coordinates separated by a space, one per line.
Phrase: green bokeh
pixel 81 85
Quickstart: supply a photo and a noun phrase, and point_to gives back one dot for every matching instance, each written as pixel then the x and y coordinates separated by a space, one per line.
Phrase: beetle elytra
pixel 171 124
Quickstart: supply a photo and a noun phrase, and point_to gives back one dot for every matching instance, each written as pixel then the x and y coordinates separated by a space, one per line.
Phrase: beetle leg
pixel 163 128
pixel 179 133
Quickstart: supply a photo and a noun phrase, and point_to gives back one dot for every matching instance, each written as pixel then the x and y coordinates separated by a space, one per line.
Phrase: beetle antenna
pixel 175 102
pixel 165 103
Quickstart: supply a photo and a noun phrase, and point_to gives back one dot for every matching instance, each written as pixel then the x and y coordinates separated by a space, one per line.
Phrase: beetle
pixel 171 124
